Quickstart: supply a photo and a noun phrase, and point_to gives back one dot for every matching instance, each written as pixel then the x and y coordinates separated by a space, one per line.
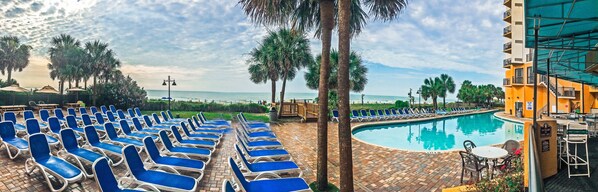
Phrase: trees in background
pixel 448 86
pixel 14 56
pixel 479 94
pixel 432 88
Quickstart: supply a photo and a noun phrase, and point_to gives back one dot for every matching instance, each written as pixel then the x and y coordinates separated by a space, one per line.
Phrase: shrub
pixel 158 105
pixel 401 104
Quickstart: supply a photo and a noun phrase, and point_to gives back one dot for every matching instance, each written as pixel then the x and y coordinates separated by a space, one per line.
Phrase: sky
pixel 204 44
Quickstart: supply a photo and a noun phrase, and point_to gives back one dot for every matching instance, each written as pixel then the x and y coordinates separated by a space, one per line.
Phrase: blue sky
pixel 203 44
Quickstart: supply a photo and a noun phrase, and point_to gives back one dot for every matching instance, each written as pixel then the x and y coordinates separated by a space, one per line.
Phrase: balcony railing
pixel 567 91
pixel 507 47
pixel 506 62
pixel 507 15
pixel 517 80
pixel 506 31
pixel 506 81
pixel 507 3
pixel 530 79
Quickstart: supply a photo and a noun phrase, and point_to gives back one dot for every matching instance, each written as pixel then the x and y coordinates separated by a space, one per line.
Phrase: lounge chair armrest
pixel 131 180
pixel 166 169
pixel 267 175
pixel 263 159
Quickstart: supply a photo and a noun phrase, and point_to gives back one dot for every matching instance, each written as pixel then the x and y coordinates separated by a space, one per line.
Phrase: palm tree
pixel 97 54
pixel 14 56
pixel 64 57
pixel 432 88
pixel 381 10
pixel 263 66
pixel 448 86
pixel 465 91
pixel 358 73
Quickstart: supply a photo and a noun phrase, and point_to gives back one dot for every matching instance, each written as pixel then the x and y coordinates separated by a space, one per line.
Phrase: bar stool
pixel 575 136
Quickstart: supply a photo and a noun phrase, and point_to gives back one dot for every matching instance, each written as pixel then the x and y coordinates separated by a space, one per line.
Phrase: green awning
pixel 568 31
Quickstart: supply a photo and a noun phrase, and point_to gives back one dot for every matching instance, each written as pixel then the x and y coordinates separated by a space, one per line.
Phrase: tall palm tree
pixel 14 56
pixel 432 88
pixel 384 10
pixel 64 57
pixel 448 86
pixel 263 66
pixel 97 55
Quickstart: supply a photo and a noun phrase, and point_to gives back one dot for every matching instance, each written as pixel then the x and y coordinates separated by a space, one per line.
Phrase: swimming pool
pixel 441 134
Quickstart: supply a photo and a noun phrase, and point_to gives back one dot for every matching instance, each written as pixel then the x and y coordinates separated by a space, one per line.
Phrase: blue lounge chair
pixel 100 120
pixel 131 113
pixel 390 115
pixel 263 168
pixel 58 114
pixel 259 144
pixel 172 117
pixel 203 126
pixel 44 115
pixel 227 186
pixel 151 125
pixel 256 136
pixel 171 162
pixel 167 119
pixel 396 114
pixel 8 137
pixel 365 116
pixel 33 128
pixel 201 136
pixel 71 122
pixel 12 117
pixel 267 154
pixel 105 177
pixel 126 129
pixel 187 152
pixel 355 116
pixel 42 160
pixel 382 115
pixel 88 122
pixel 253 127
pixel 204 130
pixel 267 185
pixel 28 114
pixel 159 124
pixel 93 140
pixel 112 119
pixel 137 124
pixel 373 115
pixel 334 115
pixel 158 179
pixel 104 109
pixel 219 122
pixel 244 119
pixel 139 114
pixel 94 110
pixel 113 137
pixel 112 108
pixel 71 111
pixel 190 142
pixel 77 154
pixel 123 116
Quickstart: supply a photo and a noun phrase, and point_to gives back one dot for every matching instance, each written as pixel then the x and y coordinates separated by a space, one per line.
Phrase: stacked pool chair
pixel 261 163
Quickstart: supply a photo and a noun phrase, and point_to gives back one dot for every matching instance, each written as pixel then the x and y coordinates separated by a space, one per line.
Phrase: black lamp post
pixel 419 92
pixel 169 82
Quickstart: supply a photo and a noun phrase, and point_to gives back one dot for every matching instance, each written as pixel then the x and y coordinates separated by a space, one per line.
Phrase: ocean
pixel 246 97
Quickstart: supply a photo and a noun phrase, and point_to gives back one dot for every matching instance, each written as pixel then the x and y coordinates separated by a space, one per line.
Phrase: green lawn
pixel 216 115
pixel 371 106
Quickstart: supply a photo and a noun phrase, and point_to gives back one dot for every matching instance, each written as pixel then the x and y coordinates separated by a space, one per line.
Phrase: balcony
pixel 506 32
pixel 506 63
pixel 506 82
pixel 593 89
pixel 517 80
pixel 507 16
pixel 507 3
pixel 507 47
pixel 567 92
pixel 530 79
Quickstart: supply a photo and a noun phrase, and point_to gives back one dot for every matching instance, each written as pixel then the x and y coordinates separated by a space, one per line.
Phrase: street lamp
pixel 419 92
pixel 362 95
pixel 169 82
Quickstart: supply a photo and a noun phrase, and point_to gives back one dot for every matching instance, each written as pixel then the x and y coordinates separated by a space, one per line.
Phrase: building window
pixel 518 23
pixel 530 75
pixel 518 78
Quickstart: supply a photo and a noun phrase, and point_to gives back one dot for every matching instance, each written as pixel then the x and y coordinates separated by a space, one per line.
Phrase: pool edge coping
pixel 420 120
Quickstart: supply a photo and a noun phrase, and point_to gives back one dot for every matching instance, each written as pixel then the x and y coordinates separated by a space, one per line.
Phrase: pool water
pixel 442 134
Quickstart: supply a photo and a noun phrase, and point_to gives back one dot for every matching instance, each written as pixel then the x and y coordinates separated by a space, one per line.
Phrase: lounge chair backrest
pixel 58 113
pixel 54 125
pixel 109 127
pixel 363 113
pixel 71 111
pixel 93 109
pixel 165 140
pixel 82 110
pixel 242 155
pixel 355 113
pixel 28 114
pixel 32 126
pixel 121 114
pixel 237 172
pixel 196 121
pixel 156 118
pixel 104 175
pixel 387 112
pixel 175 132
pixel 335 113
pixel 372 112
pixel 71 121
pixel 191 124
pixel 151 148
pixel 38 146
pixel 164 116
pixel 468 145
pixel 185 129
pixel 104 109
pixel 110 116
pixel 133 160
pixel 380 112
pixel 86 119
pixel 131 112
pixel 124 126
pixel 99 118
pixel 137 124
pixel 7 130
pixel 147 120
pixel 138 111
pixel 68 140
pixel 10 116
pixel 227 186
pixel 242 143
pixel 112 108
pixel 169 114
pixel 203 121
pixel 91 135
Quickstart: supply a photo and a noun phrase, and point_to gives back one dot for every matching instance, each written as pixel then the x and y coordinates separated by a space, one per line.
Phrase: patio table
pixel 16 108
pixel 72 105
pixel 47 106
pixel 490 153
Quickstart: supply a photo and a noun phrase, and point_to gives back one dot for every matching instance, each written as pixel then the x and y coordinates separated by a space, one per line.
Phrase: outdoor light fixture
pixel 169 83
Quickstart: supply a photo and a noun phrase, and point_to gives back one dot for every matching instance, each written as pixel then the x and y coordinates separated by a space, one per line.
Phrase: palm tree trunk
pixel 273 91
pixel 9 74
pixel 77 83
pixel 284 84
pixel 344 125
pixel 327 20
pixel 444 102
pixel 95 89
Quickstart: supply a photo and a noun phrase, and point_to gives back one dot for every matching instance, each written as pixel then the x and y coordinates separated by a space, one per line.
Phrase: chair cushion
pixel 17 142
pixel 128 141
pixel 181 162
pixel 167 179
pixel 219 131
pixel 209 136
pixel 198 142
pixel 78 129
pixel 263 143
pixel 60 167
pixel 267 152
pixel 86 154
pixel 190 150
pixel 272 166
pixel 109 147
pixel 51 139
pixel 262 134
pixel 142 135
pixel 20 127
pixel 286 184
